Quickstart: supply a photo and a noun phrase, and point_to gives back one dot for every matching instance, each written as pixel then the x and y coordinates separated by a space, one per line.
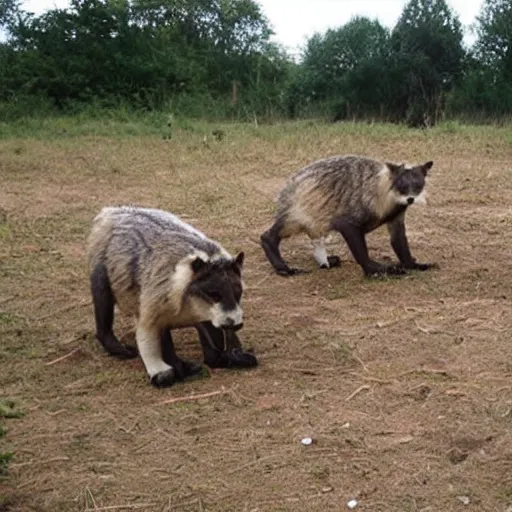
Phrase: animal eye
pixel 215 296
pixel 237 292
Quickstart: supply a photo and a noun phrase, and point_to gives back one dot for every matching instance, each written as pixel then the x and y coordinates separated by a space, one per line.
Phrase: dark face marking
pixel 218 282
pixel 409 182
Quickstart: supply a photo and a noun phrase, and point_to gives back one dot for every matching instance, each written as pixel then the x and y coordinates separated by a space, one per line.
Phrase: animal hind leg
pixel 321 257
pixel 182 368
pixel 270 241
pixel 103 300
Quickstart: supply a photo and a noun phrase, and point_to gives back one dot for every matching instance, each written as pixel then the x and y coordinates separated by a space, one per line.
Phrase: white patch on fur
pixel 221 255
pixel 181 277
pixel 421 198
pixel 221 318
pixel 320 252
pixel 148 343
pixel 399 198
pixel 298 216
pixel 386 198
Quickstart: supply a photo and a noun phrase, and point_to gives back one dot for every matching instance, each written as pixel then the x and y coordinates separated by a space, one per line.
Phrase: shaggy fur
pixel 166 274
pixel 352 195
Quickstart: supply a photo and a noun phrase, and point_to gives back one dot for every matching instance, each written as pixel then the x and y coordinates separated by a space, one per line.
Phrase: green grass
pixel 119 123
pixel 7 410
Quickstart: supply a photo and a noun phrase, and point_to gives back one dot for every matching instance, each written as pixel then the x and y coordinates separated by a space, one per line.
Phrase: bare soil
pixel 404 385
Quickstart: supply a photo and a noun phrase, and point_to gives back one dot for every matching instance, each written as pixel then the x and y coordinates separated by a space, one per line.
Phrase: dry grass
pixel 405 386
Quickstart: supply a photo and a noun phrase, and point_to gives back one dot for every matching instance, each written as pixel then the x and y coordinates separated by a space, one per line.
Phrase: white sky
pixel 295 20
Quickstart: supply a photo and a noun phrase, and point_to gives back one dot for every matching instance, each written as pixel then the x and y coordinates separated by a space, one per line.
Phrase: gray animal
pixel 352 195
pixel 167 275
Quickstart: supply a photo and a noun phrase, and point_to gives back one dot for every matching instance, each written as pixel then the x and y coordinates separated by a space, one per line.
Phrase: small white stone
pixel 352 504
pixel 464 500
pixel 306 441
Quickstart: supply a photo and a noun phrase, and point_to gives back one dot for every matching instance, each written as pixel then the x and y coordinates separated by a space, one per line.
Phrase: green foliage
pixel 5 458
pixel 7 410
pixel 213 59
pixel 486 89
pixel 428 53
pixel 145 54
pixel 345 68
pixel 494 46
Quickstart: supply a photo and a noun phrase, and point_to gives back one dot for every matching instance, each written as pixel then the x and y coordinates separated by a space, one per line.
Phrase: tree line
pixel 215 58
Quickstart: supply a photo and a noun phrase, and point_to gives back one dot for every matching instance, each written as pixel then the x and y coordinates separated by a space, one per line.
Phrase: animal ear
pixel 239 260
pixel 198 264
pixel 395 168
pixel 426 167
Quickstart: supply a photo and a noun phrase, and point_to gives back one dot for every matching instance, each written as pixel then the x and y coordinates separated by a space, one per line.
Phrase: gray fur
pixel 350 194
pixel 164 273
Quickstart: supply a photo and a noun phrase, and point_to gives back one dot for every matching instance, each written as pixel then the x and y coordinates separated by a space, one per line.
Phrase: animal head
pixel 215 289
pixel 408 182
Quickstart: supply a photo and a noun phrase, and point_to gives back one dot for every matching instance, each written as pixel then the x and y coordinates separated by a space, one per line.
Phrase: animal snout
pixel 231 325
pixel 410 200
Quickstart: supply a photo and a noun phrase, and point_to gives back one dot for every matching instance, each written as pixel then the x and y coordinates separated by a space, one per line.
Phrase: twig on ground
pixel 260 282
pixel 132 506
pixel 3 300
pixel 88 491
pixel 193 397
pixel 432 371
pixel 63 310
pixel 253 463
pixel 424 330
pixel 38 462
pixel 372 379
pixel 360 361
pixel 357 391
pixel 62 357
pixel 55 413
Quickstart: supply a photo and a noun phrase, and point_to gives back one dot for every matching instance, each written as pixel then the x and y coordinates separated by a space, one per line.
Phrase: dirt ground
pixel 404 385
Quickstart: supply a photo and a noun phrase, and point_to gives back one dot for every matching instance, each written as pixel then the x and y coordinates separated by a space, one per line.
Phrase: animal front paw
pixel 123 351
pixel 164 379
pixel 291 271
pixel 234 358
pixel 425 266
pixel 186 369
pixel 378 270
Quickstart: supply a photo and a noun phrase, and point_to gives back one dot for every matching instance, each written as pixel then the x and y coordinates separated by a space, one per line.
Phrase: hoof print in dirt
pixel 234 358
pixel 164 379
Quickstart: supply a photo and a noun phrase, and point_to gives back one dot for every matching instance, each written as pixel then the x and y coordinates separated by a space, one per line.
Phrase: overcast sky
pixel 295 20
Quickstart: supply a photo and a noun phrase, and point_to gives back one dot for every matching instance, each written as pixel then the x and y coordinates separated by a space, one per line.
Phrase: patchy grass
pixel 403 384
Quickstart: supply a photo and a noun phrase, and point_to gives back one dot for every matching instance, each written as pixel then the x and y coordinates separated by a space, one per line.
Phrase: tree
pixel 344 66
pixel 428 54
pixel 487 86
pixel 494 44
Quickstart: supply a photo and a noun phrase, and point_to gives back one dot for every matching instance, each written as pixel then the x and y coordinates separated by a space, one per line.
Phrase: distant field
pixel 404 385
